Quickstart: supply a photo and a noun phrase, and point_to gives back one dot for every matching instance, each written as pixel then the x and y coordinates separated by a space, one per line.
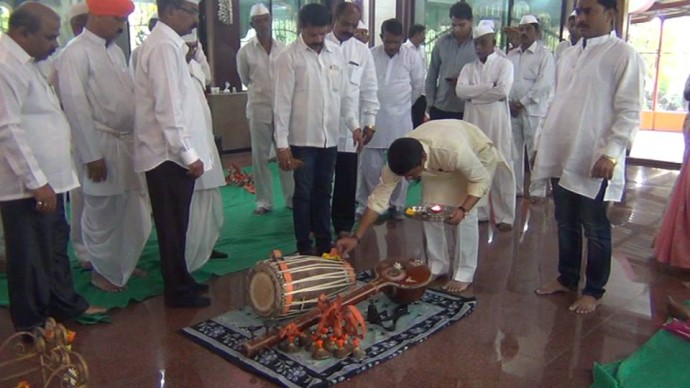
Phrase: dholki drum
pixel 291 285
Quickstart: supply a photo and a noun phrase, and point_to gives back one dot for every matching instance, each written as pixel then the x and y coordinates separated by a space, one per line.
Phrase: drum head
pixel 262 293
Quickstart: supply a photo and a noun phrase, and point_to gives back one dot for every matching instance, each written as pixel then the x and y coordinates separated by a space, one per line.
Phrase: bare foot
pixel 86 265
pixel 140 273
pixel 586 304
pixel 551 287
pixel 677 310
pixel 95 310
pixel 456 287
pixel 504 227
pixel 102 283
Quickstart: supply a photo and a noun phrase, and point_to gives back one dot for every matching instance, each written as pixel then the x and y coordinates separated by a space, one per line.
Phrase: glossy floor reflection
pixel 513 339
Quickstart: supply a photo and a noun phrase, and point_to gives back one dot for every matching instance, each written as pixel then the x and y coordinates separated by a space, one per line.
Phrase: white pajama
pixel 371 162
pixel 524 131
pixel 262 144
pixel 205 222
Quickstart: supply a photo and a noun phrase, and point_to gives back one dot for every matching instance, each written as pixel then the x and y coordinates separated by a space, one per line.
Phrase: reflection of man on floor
pixel 456 162
pixel 484 86
pixel 594 116
pixel 97 93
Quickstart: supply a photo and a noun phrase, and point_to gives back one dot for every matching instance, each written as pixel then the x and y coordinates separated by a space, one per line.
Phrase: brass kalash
pixel 315 289
pixel 42 358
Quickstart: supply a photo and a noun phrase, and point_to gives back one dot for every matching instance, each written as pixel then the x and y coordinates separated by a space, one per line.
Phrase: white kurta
pixel 485 88
pixel 400 83
pixel 206 209
pixel 256 68
pixel 361 77
pixel 595 111
pixel 97 92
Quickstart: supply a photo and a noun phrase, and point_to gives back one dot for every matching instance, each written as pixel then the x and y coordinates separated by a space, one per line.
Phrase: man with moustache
pixel 312 94
pixel 593 117
pixel 451 52
pixel 571 41
pixel 533 84
pixel 484 86
pixel 362 87
pixel 97 94
pixel 255 65
pixel 35 171
pixel 163 148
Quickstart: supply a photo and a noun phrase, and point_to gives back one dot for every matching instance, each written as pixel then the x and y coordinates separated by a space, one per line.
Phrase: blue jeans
pixel 312 199
pixel 574 213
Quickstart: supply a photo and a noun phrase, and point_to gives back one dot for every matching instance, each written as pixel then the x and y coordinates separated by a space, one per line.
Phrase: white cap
pixel 486 23
pixel 259 9
pixel 362 26
pixel 573 13
pixel 484 29
pixel 529 19
pixel 76 10
pixel 192 37
pixel 193 1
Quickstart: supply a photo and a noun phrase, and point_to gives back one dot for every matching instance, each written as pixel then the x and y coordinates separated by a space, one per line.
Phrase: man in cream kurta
pixel 255 62
pixel 400 75
pixel 36 169
pixel 456 162
pixel 533 83
pixel 206 210
pixel 484 85
pixel 361 76
pixel 594 116
pixel 97 94
pixel 312 94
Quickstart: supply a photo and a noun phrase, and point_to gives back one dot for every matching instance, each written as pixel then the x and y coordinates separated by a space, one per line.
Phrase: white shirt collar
pixel 93 37
pixel 15 49
pixel 595 41
pixel 170 33
pixel 300 42
pixel 532 48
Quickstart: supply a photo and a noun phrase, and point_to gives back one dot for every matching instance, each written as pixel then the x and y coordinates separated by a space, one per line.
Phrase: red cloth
pixel 119 8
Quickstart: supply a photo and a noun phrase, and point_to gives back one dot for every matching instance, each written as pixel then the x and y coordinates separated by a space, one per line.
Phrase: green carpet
pixel 247 238
pixel 661 362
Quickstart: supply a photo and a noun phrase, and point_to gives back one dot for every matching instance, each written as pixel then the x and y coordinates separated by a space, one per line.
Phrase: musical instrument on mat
pixel 284 286
pixel 408 278
pixel 435 213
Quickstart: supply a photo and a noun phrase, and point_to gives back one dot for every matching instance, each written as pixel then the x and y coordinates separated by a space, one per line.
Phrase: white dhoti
pixel 524 132
pixel 76 200
pixel 115 229
pixel 262 145
pixel 371 162
pixel 205 222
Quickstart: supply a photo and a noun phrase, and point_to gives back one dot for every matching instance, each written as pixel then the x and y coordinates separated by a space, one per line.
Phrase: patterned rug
pixel 224 335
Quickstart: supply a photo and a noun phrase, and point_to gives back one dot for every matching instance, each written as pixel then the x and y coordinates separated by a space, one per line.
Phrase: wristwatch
pixel 611 159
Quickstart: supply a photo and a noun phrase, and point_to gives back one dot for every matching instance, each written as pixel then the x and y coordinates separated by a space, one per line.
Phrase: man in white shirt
pixel 361 76
pixel 593 117
pixel 97 94
pixel 415 41
pixel 362 32
pixel 484 85
pixel 134 55
pixel 456 162
pixel 255 62
pixel 311 95
pixel 78 16
pixel 400 75
pixel 533 84
pixel 35 171
pixel 163 146
pixel 574 36
pixel 206 213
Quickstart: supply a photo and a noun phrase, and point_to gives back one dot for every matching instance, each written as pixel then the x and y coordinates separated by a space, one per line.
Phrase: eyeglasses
pixel 191 11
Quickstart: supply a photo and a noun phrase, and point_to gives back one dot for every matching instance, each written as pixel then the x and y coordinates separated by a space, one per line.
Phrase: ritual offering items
pixel 237 177
pixel 401 275
pixel 435 213
pixel 284 286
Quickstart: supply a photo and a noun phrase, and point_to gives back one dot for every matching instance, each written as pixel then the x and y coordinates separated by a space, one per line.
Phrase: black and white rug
pixel 225 334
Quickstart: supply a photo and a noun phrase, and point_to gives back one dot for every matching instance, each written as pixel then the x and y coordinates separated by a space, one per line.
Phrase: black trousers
pixel 171 189
pixel 437 114
pixel 418 110
pixel 344 192
pixel 38 270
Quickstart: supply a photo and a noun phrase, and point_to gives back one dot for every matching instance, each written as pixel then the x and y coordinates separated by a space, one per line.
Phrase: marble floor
pixel 513 339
